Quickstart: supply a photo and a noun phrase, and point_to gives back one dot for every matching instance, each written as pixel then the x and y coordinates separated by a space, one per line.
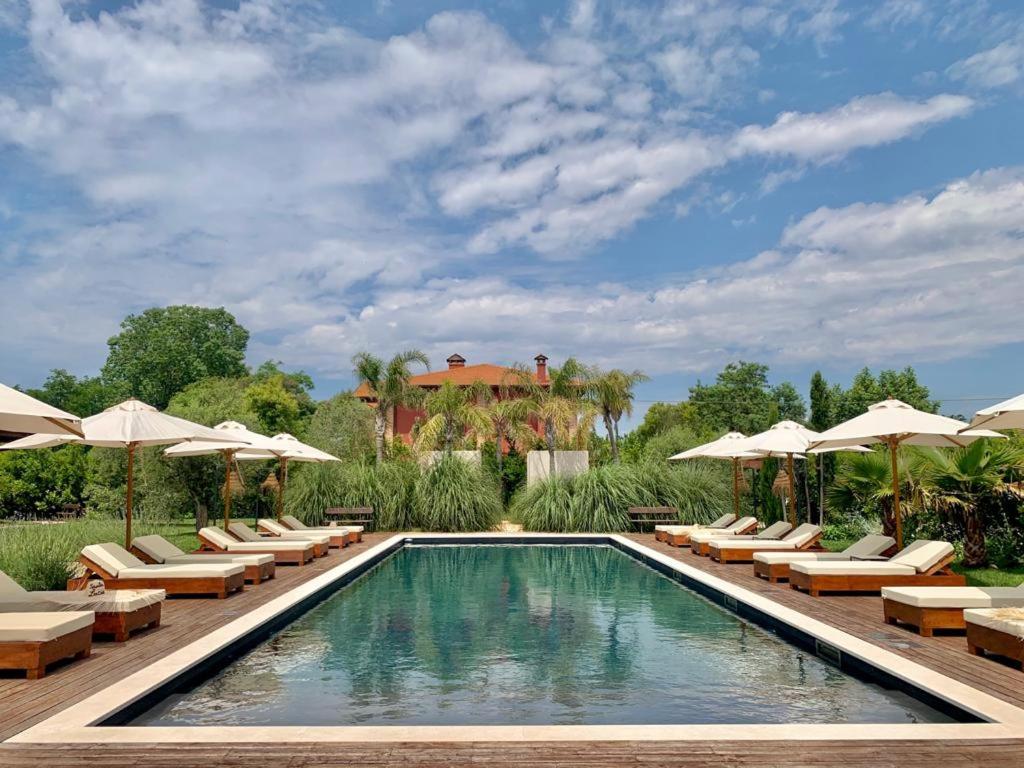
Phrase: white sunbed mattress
pixel 956 597
pixel 853 568
pixel 36 627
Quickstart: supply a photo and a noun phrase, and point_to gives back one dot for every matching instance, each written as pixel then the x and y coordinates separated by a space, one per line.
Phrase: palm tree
pixel 965 482
pixel 509 417
pixel 556 403
pixel 390 384
pixel 863 481
pixel 452 411
pixel 612 394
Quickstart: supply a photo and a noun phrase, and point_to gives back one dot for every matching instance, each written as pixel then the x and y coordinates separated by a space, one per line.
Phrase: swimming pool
pixel 514 634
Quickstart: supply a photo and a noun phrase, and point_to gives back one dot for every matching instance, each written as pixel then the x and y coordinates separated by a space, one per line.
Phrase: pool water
pixel 464 635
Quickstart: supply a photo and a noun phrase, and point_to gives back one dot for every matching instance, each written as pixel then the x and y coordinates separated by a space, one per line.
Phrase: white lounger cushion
pixel 925 556
pixel 773 558
pixel 852 568
pixel 956 597
pixel 676 530
pixel 122 564
pixel 298 525
pixel 163 551
pixel 279 531
pixel 989 617
pixel 871 545
pixel 772 533
pixel 217 537
pixel 42 627
pixel 113 601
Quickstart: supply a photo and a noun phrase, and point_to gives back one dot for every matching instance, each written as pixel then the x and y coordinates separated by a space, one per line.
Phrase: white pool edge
pixel 76 724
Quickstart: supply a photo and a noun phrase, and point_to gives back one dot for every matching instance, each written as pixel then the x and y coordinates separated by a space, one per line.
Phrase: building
pixel 401 420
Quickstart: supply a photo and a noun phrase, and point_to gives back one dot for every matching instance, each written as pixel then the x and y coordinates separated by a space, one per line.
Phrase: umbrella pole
pixel 736 487
pixel 792 489
pixel 897 512
pixel 128 499
pixel 280 487
pixel 227 489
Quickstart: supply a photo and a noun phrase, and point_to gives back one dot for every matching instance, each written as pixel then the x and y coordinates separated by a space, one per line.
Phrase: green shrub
pixel 387 488
pixel 544 506
pixel 454 495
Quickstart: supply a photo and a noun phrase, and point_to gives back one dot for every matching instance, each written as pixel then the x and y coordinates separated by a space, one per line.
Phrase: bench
pixel 652 516
pixel 352 515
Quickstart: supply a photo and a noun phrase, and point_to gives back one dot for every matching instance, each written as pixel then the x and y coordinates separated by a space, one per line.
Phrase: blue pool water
pixel 527 634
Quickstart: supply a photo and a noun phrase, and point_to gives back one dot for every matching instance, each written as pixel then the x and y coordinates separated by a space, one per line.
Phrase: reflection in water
pixel 526 634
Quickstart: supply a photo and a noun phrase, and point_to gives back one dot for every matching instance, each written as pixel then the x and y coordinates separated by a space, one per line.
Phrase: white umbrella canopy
pixel 731 445
pixel 786 438
pixel 1008 414
pixel 22 413
pixel 239 438
pixel 287 448
pixel 895 423
pixel 131 425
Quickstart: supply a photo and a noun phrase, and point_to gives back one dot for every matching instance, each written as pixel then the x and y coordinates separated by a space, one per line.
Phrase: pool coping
pixel 83 722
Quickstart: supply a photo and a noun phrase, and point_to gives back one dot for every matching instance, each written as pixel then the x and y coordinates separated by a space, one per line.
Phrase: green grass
pixel 43 555
pixel 992 577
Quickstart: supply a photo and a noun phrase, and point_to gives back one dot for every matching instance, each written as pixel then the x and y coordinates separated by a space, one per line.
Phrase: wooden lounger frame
pixel 924 620
pixel 34 657
pixel 281 556
pixel 982 640
pixel 218 586
pixel 254 574
pixel 338 541
pixel 121 624
pixel 703 548
pixel 683 539
pixel 741 555
pixel 774 572
pixel 939 575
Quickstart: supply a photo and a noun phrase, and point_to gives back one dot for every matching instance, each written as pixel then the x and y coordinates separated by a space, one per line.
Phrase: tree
pixel 83 397
pixel 452 411
pixel 965 482
pixel 389 383
pixel 821 419
pixel 162 350
pixel 612 393
pixel 741 399
pixel 342 426
pixel 297 384
pixel 864 483
pixel 509 417
pixel 866 390
pixel 276 408
pixel 661 417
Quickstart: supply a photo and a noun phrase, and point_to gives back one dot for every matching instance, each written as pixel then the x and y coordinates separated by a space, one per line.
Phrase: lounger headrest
pixel 925 556
pixel 10 590
pixel 802 533
pixel 217 536
pixel 156 547
pixel 723 521
pixel 775 530
pixel 740 524
pixel 112 558
pixel 870 546
pixel 294 522
pixel 273 526
pixel 244 532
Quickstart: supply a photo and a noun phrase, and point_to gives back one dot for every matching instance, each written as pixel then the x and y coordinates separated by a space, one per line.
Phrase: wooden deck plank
pixel 24 703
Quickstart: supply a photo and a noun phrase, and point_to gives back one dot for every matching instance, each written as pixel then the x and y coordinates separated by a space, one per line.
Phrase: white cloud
pixel 997 67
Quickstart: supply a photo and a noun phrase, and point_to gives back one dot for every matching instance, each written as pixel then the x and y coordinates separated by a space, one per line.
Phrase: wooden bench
pixel 652 516
pixel 352 515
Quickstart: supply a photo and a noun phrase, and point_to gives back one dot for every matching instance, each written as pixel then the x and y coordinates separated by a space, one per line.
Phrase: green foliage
pixel 42 556
pixel 162 350
pixel 389 384
pixel 83 397
pixel 661 446
pixel 598 500
pixel 455 495
pixel 388 488
pixel 452 412
pixel 866 390
pixel 741 399
pixel 342 426
pixel 612 394
pixel 274 406
pixel 512 474
pixel 40 482
pixel 661 417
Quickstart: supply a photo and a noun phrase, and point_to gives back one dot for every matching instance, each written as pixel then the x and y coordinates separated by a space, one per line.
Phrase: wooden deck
pixel 24 703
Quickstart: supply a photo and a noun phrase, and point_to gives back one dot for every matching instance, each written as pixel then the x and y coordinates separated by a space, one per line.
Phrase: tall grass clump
pixel 388 488
pixel 599 499
pixel 455 495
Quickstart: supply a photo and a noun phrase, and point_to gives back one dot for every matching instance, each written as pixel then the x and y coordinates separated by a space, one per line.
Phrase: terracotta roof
pixel 490 374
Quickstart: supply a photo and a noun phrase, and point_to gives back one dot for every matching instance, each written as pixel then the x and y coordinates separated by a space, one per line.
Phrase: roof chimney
pixel 456 361
pixel 542 368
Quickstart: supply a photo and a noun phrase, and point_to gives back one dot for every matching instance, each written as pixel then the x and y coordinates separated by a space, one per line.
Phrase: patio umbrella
pixel 1008 414
pixel 729 446
pixel 287 448
pixel 22 413
pixel 237 438
pixel 895 423
pixel 131 425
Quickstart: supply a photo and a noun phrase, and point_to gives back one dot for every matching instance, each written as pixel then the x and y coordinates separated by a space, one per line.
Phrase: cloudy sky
pixel 663 185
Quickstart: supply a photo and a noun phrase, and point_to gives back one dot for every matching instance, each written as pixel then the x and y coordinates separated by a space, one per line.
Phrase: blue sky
pixel 662 185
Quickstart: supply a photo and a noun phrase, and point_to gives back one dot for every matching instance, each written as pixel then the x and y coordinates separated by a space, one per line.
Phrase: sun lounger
pixel 700 543
pixel 159 551
pixel 662 532
pixel 355 532
pixel 33 640
pixel 999 631
pixel 284 552
pixel 119 612
pixel 803 537
pixel 120 569
pixel 242 532
pixel 924 563
pixel 931 608
pixel 737 527
pixel 338 540
pixel 774 566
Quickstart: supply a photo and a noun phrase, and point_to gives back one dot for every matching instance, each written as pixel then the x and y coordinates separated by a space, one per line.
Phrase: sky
pixel 668 186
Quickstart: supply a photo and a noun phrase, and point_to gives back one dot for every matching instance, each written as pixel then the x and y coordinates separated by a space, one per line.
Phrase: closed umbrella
pixel 24 414
pixel 895 423
pixel 287 448
pixel 131 425
pixel 729 446
pixel 1008 414
pixel 236 438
